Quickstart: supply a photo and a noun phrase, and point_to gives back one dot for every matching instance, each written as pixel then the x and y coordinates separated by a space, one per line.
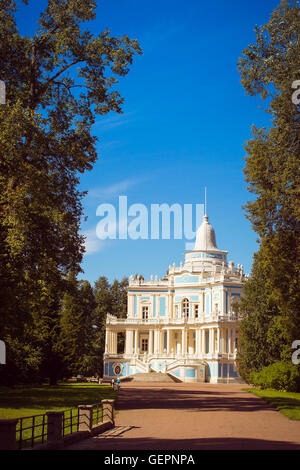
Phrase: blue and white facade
pixel 184 324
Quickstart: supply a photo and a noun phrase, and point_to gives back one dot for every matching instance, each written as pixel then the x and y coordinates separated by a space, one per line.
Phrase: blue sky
pixel 186 118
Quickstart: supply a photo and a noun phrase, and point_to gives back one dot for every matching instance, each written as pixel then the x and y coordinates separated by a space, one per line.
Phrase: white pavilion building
pixel 183 325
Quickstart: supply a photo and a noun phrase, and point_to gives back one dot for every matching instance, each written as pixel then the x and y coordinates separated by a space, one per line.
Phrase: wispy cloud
pixel 92 242
pixel 113 190
pixel 97 239
pixel 113 121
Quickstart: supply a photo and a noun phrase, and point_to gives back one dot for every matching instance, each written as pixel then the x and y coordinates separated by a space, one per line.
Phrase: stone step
pixel 152 377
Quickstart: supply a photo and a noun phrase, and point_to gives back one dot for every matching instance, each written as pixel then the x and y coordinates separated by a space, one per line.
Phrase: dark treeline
pixel 78 335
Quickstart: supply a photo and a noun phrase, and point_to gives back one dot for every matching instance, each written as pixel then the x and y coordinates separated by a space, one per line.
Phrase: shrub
pixel 281 375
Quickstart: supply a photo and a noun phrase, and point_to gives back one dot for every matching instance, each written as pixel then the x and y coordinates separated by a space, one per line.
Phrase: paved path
pixel 180 416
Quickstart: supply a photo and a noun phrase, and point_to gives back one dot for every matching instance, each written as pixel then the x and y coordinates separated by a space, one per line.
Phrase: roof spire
pixel 205 202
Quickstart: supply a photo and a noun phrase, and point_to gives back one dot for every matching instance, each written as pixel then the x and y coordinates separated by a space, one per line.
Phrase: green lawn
pixel 22 401
pixel 287 403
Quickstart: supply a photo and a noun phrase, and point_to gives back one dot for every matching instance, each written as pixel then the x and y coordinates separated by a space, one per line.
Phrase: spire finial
pixel 205 214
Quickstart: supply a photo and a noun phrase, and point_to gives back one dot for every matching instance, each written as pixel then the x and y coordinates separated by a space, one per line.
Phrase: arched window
pixel 185 308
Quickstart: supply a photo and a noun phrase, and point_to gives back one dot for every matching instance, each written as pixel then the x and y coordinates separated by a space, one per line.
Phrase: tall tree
pixel 119 297
pixel 57 81
pixel 119 306
pixel 110 298
pixel 77 335
pixel 269 68
pixel 103 300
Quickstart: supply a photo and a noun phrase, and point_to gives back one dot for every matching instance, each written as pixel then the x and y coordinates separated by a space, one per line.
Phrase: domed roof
pixel 205 238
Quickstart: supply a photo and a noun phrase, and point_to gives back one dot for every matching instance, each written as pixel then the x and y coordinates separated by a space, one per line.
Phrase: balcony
pixel 202 319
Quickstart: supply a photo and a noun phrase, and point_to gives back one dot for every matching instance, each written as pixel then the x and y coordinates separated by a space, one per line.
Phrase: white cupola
pixel 205 238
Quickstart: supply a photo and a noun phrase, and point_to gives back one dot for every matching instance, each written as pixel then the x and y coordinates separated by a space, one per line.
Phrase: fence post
pixel 85 417
pixel 54 433
pixel 108 410
pixel 8 434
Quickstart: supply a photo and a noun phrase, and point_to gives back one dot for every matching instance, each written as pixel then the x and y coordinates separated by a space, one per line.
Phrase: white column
pixel 211 339
pixel 150 346
pixel 115 342
pixel 168 341
pixel 224 302
pixel 131 305
pixel 200 340
pixel 132 342
pixel 227 338
pixel 234 338
pixel 106 341
pixel 157 341
pixel 218 340
pixel 138 306
pixel 129 342
pixel 151 307
pixel 183 345
pixel 135 341
pixel 201 303
pixel 222 339
pixel 171 305
pixel 110 350
pixel 112 342
pixel 126 349
pixel 197 341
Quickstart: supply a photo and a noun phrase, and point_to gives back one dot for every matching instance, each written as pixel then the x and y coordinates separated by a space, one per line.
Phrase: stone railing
pixel 112 320
pixel 151 282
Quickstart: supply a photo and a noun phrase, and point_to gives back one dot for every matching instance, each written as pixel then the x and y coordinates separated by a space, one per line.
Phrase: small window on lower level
pixel 144 345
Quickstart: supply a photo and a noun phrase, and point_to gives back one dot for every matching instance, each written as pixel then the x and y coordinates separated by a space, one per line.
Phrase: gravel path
pixel 181 416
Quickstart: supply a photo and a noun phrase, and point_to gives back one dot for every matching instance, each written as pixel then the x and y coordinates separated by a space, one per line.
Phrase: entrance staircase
pixel 152 376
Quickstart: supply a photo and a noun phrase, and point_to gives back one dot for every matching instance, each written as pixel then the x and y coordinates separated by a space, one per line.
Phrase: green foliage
pixel 77 335
pixel 287 403
pixel 270 308
pixel 283 376
pixel 57 81
pixel 109 299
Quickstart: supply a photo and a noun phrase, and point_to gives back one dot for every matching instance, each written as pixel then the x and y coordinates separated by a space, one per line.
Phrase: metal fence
pixel 97 414
pixel 33 430
pixel 70 421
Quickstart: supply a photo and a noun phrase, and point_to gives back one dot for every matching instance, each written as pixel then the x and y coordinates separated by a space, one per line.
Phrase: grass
pixel 287 403
pixel 23 401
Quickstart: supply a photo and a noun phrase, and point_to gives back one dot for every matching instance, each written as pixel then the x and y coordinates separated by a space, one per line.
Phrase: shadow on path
pixel 186 444
pixel 192 400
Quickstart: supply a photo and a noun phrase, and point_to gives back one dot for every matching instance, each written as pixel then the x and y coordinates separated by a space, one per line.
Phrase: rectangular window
pixel 196 307
pixel 145 312
pixel 144 345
